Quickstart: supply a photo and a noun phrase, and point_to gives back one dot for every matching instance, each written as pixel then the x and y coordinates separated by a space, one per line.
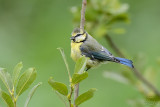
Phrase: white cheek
pixel 81 38
pixel 78 39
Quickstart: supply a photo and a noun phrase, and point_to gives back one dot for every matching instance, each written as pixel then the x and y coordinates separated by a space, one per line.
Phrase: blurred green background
pixel 30 31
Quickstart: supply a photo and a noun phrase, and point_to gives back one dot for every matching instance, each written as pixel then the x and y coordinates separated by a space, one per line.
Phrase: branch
pixel 136 72
pixel 84 3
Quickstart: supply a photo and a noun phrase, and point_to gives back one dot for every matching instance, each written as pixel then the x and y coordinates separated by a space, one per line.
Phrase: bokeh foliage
pixel 101 15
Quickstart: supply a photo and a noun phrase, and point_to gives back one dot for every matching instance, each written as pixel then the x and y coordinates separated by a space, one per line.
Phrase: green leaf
pixel 120 10
pixel 65 61
pixel 16 72
pixel 60 87
pixel 63 98
pixel 100 30
pixel 120 18
pixel 118 30
pixel 31 94
pixel 26 80
pixel 79 77
pixel 6 98
pixel 64 58
pixel 137 103
pixel 85 96
pixel 72 105
pixel 80 65
pixel 153 98
pixel 151 75
pixel 6 79
pixel 116 76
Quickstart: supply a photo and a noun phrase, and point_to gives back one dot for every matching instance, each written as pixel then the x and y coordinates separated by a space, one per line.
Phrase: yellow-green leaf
pixel 85 96
pixel 16 72
pixel 6 79
pixel 31 94
pixel 6 98
pixel 60 87
pixel 72 105
pixel 80 65
pixel 26 80
pixel 79 77
pixel 152 99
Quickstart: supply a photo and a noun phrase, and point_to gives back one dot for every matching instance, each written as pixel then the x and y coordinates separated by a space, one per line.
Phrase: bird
pixel 83 44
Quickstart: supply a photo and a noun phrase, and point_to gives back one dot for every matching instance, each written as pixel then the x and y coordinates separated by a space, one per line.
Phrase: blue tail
pixel 124 61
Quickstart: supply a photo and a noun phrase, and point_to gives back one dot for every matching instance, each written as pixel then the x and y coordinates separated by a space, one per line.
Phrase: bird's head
pixel 78 35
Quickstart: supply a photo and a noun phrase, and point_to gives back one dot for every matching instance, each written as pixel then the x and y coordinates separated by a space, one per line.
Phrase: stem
pixel 14 99
pixel 84 3
pixel 136 72
pixel 76 92
pixel 14 103
pixel 12 96
pixel 70 96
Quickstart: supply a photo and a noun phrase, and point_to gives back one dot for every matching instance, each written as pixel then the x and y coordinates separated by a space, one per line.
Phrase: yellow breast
pixel 75 51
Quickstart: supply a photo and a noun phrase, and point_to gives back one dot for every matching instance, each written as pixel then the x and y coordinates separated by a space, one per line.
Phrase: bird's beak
pixel 72 38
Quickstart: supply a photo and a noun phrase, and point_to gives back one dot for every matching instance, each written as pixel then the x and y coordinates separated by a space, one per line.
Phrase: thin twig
pixel 136 72
pixel 84 3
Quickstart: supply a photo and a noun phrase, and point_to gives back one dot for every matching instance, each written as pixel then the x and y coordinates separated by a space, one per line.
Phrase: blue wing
pixel 105 56
pixel 100 55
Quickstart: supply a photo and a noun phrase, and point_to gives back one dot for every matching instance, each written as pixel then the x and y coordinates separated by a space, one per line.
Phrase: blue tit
pixel 82 44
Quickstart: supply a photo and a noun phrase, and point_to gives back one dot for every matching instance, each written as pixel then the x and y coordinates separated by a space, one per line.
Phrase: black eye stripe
pixel 80 34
